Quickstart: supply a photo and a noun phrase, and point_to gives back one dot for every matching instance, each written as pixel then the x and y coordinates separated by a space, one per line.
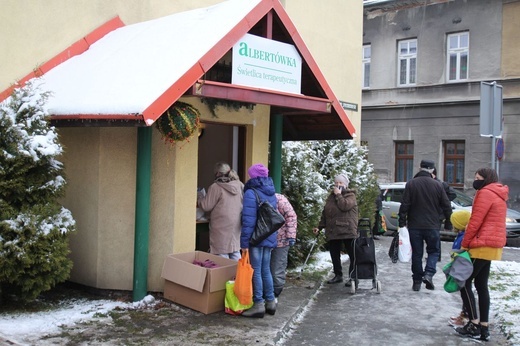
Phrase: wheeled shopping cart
pixel 364 261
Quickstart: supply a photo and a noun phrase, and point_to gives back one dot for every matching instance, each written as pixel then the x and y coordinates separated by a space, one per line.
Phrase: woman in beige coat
pixel 223 202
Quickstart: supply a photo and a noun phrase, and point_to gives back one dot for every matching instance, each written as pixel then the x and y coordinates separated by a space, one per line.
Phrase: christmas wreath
pixel 179 122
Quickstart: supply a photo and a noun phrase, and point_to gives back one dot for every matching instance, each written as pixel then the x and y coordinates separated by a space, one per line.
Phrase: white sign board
pixel 266 64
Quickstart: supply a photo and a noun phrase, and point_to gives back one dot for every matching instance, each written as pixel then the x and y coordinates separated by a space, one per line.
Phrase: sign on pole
pixel 491 115
pixel 490 109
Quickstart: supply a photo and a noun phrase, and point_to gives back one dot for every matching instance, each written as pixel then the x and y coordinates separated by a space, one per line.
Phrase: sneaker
pixel 416 285
pixel 428 281
pixel 484 333
pixel 471 330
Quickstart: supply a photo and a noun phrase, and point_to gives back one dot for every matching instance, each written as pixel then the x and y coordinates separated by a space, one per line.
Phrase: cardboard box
pixel 199 288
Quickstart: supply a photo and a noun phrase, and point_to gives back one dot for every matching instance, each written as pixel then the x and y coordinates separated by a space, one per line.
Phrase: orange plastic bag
pixel 244 280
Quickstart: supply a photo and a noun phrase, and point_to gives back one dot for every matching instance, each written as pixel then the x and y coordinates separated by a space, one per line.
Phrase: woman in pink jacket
pixel 485 238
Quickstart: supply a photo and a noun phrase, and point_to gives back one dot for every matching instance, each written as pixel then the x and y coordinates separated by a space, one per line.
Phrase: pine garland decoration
pixel 179 122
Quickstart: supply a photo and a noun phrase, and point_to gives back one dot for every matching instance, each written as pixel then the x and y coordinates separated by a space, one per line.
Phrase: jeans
pixel 278 267
pixel 417 239
pixel 232 255
pixel 260 258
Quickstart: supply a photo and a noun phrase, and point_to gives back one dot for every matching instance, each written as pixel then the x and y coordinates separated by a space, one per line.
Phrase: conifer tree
pixel 34 227
pixel 308 171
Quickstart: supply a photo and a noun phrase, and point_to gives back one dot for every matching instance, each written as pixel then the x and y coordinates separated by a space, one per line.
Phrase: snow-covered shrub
pixel 308 171
pixel 34 227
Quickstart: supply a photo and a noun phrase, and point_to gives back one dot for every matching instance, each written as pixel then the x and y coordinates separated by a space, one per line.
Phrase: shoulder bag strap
pixel 257 197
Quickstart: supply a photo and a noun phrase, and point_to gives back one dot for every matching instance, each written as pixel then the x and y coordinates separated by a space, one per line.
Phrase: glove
pixel 292 241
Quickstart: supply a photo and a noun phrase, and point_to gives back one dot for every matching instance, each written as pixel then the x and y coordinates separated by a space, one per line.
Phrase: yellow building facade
pixel 100 162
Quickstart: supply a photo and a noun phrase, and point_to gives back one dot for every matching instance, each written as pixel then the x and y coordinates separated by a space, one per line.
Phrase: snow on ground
pixel 504 286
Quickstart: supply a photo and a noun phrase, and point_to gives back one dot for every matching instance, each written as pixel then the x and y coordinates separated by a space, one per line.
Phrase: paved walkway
pixel 397 316
pixel 309 313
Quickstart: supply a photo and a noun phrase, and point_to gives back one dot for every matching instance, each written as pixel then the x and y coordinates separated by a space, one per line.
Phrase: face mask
pixel 478 184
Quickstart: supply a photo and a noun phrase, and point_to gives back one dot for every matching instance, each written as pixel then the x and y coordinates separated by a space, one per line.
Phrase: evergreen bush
pixel 34 227
pixel 308 171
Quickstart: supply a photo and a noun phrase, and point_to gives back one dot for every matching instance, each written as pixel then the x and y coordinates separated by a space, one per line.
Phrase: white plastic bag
pixel 405 248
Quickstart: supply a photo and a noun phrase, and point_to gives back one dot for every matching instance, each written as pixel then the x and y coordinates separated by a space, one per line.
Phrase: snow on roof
pixel 128 69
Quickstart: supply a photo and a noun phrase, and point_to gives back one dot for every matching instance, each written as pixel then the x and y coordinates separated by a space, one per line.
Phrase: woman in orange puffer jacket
pixel 485 238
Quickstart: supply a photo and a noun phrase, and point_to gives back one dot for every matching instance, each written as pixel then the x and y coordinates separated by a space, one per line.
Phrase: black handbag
pixel 393 252
pixel 268 221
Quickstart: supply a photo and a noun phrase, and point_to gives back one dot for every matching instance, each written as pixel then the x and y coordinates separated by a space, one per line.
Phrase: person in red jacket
pixel 485 239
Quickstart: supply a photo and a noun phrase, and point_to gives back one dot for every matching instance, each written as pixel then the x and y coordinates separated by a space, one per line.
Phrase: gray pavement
pixel 396 316
pixel 310 312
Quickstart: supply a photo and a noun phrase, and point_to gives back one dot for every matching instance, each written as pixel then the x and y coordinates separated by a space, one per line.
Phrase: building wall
pixel 434 111
pixel 332 31
pixel 429 25
pixel 35 31
pixel 510 66
pixel 101 169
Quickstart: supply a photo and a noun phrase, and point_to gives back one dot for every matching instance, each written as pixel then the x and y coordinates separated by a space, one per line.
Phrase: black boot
pixel 336 279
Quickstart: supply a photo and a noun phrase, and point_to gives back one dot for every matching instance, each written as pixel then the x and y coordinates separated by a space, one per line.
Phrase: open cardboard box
pixel 196 287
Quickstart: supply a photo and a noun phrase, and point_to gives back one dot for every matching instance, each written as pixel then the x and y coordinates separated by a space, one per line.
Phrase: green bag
pixel 451 285
pixel 457 273
pixel 231 303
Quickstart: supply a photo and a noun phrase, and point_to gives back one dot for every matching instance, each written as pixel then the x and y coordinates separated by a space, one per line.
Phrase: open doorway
pixel 217 142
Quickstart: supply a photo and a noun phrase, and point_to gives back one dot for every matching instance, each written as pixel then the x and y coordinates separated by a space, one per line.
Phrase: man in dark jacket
pixel 424 199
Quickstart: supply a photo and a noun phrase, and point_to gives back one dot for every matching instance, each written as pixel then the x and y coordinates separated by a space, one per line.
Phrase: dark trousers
pixel 418 237
pixel 480 275
pixel 335 247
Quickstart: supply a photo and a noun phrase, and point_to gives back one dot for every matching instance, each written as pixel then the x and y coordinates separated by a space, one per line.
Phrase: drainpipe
pixel 275 162
pixel 142 211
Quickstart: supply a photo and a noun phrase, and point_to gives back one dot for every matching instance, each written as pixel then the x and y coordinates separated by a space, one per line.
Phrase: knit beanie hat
pixel 460 218
pixel 428 166
pixel 257 170
pixel 342 177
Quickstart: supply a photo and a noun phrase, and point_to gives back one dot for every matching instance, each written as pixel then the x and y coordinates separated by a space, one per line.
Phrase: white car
pixel 392 195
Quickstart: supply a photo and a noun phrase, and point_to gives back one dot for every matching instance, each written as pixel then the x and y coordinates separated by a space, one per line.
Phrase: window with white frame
pixel 458 56
pixel 407 61
pixel 367 51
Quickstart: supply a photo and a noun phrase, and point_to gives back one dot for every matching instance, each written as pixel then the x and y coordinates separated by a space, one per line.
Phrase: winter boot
pixel 336 279
pixel 484 333
pixel 428 280
pixel 256 311
pixel 471 330
pixel 270 307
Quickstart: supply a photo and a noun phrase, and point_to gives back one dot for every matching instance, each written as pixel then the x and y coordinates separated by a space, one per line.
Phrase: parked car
pixel 392 195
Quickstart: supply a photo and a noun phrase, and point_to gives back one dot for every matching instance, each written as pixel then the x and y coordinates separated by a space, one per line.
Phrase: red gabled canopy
pixel 315 114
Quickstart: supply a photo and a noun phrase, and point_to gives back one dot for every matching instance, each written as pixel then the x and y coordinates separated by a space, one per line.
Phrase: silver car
pixel 392 195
